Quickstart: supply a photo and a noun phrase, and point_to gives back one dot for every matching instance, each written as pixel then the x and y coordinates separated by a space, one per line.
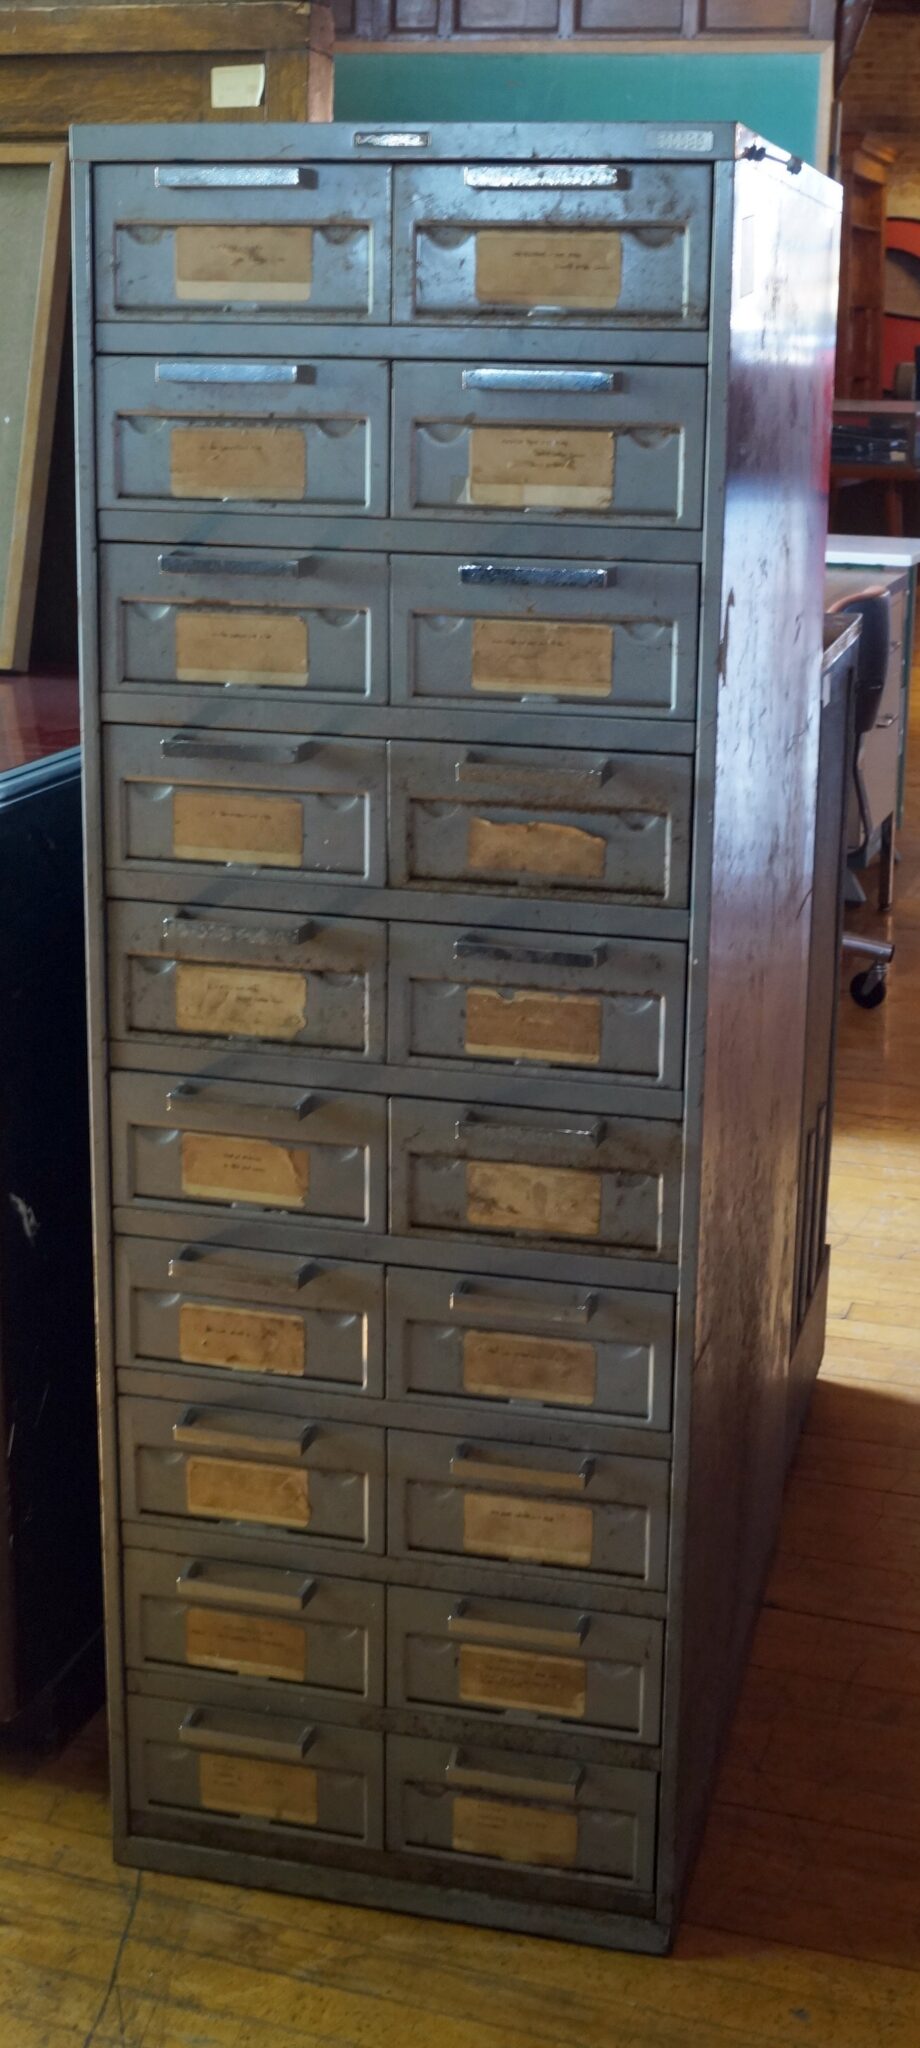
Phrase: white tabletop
pixel 871 551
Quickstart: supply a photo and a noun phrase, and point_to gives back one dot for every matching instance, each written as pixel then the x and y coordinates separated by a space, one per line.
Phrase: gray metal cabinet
pixel 451 700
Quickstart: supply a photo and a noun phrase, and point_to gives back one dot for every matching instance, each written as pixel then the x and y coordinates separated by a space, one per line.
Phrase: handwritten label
pixel 257 265
pixel 248 831
pixel 241 1339
pixel 268 1791
pixel 229 1489
pixel 521 1678
pixel 547 1201
pixel 240 1002
pixel 571 268
pixel 515 1834
pixel 226 1169
pixel 255 1645
pixel 242 649
pixel 507 1367
pixel 557 468
pixel 542 658
pixel 260 463
pixel 535 847
pixel 535 1531
pixel 531 1024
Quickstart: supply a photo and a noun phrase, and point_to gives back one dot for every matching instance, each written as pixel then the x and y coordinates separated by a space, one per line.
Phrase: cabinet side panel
pixel 766 700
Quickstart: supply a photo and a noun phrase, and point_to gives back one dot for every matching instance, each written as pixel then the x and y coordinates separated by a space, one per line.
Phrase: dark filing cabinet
pixel 453 513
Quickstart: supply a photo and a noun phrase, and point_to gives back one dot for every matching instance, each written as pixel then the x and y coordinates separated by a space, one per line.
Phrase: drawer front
pixel 486 441
pixel 536 1177
pixel 242 434
pixel 252 1472
pixel 274 808
pixel 237 1316
pixel 526 1505
pixel 452 1337
pixel 514 1659
pixel 536 1002
pixel 551 823
pixel 506 1806
pixel 261 1623
pixel 550 636
pixel 256 1772
pixel 230 242
pixel 247 979
pixel 248 622
pixel 249 1148
pixel 553 244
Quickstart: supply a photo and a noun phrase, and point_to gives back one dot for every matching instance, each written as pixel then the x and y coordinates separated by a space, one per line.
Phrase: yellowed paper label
pixel 267 1790
pixel 237 85
pixel 531 1024
pixel 258 265
pixel 565 469
pixel 216 1168
pixel 521 1678
pixel 508 1367
pixel 240 1002
pixel 549 1201
pixel 560 852
pixel 241 1339
pixel 255 1645
pixel 230 1489
pixel 249 831
pixel 542 658
pixel 515 1834
pixel 258 462
pixel 577 268
pixel 535 1531
pixel 250 649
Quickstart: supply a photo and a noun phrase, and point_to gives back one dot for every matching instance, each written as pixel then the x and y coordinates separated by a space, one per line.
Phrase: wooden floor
pixel 803 1925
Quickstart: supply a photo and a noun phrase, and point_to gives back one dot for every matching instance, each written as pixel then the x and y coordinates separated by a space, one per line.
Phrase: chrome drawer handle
pixel 537 578
pixel 201 1729
pixel 204 562
pixel 296 1274
pixel 214 177
pixel 478 1305
pixel 591 1132
pixel 234 373
pixel 459 1771
pixel 209 1589
pixel 194 746
pixel 470 946
pixel 547 178
pixel 469 1458
pixel 178 923
pixel 391 138
pixel 465 1620
pixel 188 1091
pixel 498 378
pixel 197 1426
pixel 482 767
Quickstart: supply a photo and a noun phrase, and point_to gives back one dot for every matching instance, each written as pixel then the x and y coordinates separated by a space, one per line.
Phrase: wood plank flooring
pixel 803 1923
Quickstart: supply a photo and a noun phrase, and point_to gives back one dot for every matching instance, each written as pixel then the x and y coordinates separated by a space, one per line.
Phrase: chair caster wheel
pixel 869 988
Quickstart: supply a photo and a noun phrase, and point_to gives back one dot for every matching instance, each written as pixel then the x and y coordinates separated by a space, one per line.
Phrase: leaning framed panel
pixel 34 268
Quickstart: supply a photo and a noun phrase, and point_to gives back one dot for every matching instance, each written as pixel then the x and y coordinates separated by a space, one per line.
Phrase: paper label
pixel 530 1024
pixel 216 1168
pixel 228 1489
pixel 255 1645
pixel 535 1531
pixel 549 1201
pixel 250 649
pixel 249 831
pixel 264 463
pixel 515 1834
pixel 508 1367
pixel 581 268
pixel 240 1002
pixel 561 468
pixel 237 85
pixel 269 1791
pixel 251 265
pixel 521 1678
pixel 241 1339
pixel 542 657
pixel 535 847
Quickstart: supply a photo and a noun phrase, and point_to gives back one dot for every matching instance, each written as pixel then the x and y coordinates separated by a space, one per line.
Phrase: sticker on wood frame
pixel 542 658
pixel 237 649
pixel 242 1339
pixel 572 269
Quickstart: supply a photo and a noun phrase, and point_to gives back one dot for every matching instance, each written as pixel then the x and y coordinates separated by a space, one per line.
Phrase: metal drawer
pixel 250 623
pixel 246 979
pixel 553 244
pixel 536 1002
pixel 249 1147
pixel 537 1177
pixel 256 1774
pixel 524 1662
pixel 455 1337
pixel 241 433
pixel 277 1476
pixel 625 445
pixel 549 636
pixel 488 1805
pixel 262 1623
pixel 230 242
pixel 261 1317
pixel 528 1505
pixel 271 808
pixel 541 820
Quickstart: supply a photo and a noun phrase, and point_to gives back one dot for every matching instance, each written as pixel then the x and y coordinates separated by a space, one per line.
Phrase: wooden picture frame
pixel 34 276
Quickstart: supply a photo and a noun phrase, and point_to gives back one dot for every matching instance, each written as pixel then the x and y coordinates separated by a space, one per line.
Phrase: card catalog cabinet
pixel 451 541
